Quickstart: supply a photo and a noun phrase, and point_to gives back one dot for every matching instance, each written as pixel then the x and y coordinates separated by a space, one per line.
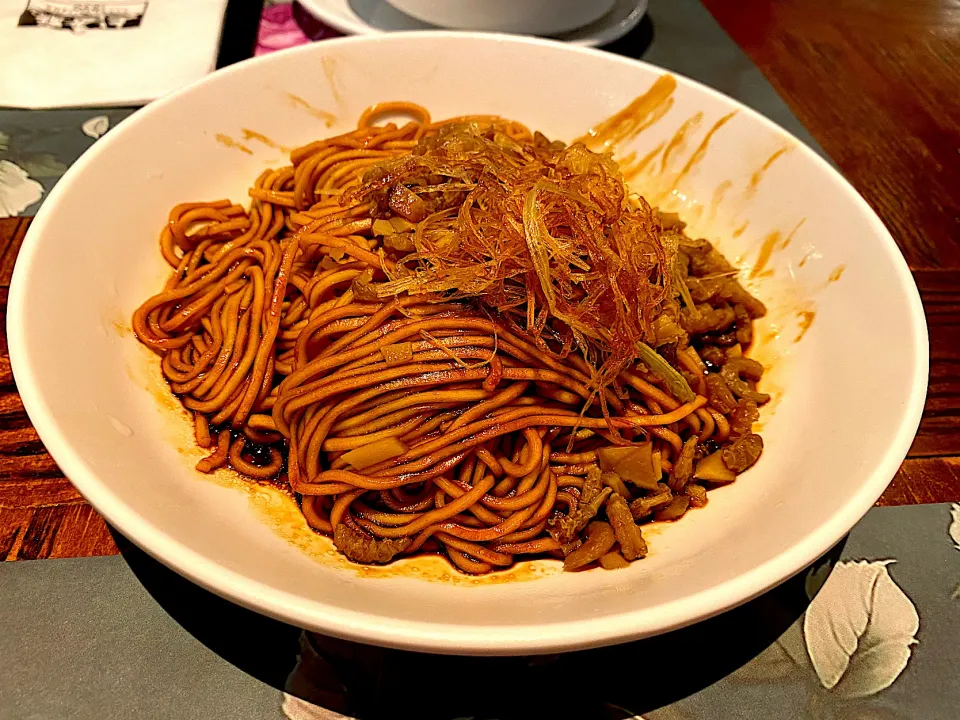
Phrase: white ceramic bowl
pixel 536 17
pixel 848 396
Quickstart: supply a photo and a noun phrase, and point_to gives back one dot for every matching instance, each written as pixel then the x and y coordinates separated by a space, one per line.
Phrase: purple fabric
pixel 281 26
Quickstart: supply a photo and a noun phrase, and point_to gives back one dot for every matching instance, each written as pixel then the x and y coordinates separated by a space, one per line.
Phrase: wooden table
pixel 874 82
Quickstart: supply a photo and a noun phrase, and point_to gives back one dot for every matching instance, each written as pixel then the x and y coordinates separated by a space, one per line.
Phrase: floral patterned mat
pixel 37 147
pixel 880 640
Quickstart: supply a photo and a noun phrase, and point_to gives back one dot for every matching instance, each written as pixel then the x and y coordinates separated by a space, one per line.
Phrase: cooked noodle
pixel 459 337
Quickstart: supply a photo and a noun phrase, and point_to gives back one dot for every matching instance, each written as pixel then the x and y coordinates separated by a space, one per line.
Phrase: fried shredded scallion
pixel 543 234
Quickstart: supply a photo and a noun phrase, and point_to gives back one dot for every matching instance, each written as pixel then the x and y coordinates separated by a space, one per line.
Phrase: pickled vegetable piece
pixel 632 544
pixel 744 452
pixel 675 510
pixel 632 463
pixel 613 560
pixel 600 539
pixel 378 451
pixel 397 354
pixel 683 467
pixel 364 549
pixel 615 483
pixel 713 469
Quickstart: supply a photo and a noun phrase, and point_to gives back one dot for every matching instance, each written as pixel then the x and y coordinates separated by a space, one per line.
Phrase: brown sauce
pixel 772 243
pixel 679 140
pixel 701 150
pixel 330 71
pixel 757 177
pixel 836 273
pixel 632 168
pixel 632 120
pixel 806 320
pixel 327 118
pixel 229 142
pixel 261 138
pixel 719 193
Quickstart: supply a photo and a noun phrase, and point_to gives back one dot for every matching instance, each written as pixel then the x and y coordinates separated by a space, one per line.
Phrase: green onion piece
pixel 675 383
pixel 685 295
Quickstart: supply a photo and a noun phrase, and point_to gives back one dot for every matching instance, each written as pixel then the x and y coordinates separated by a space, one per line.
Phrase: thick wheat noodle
pixel 475 550
pixel 390 519
pixel 520 419
pixel 219 455
pixel 289 367
pixel 709 424
pixel 488 459
pixel 475 535
pixel 723 426
pixel 411 400
pixel 319 284
pixel 675 441
pixel 202 430
pixel 467 564
pixel 434 517
pixel 542 546
pixel 260 472
pixel 314 518
pixel 418 112
pixel 341 505
pixel 584 457
pixel 393 419
pixel 528 533
pixel 395 430
pixel 427 373
pixel 466 346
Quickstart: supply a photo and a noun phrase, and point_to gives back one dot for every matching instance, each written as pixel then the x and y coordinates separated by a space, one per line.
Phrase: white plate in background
pixel 373 17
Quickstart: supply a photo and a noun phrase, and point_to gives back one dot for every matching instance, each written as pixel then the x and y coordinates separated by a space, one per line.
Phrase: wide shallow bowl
pixel 845 340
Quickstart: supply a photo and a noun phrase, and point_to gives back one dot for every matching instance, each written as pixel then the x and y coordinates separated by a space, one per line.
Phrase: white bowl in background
pixel 848 395
pixel 374 17
pixel 534 17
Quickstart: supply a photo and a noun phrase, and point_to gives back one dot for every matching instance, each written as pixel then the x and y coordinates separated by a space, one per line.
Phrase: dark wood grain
pixel 875 82
pixel 924 480
pixel 12 232
pixel 41 513
pixel 940 427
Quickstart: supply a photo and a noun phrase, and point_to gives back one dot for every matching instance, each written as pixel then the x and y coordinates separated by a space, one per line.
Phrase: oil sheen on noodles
pixel 459 337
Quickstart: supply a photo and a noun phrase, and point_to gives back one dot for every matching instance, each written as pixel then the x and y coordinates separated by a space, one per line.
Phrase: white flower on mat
pixel 955 536
pixel 815 579
pixel 96 126
pixel 297 709
pixel 17 190
pixel 859 629
pixel 955 524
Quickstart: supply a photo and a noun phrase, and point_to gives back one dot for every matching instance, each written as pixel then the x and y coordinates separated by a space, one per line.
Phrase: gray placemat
pixel 83 639
pixel 42 144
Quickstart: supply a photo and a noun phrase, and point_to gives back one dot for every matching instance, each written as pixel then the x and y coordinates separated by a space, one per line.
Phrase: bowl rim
pixel 455 638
